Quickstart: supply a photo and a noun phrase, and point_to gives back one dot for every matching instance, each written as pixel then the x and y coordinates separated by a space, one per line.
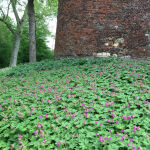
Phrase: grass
pixel 81 104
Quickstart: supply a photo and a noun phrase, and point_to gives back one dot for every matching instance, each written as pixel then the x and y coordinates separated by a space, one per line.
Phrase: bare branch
pixel 19 3
pixel 7 11
pixel 24 15
pixel 3 14
pixel 9 26
pixel 15 11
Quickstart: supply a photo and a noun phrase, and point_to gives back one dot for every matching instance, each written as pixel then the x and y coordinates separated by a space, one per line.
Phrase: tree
pixel 32 39
pixel 42 50
pixel 5 45
pixel 17 32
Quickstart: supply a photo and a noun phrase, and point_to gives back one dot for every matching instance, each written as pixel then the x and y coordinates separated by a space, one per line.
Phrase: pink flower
pixel 117 134
pixel 123 131
pixel 133 147
pixel 128 105
pixel 35 132
pixel 19 142
pixel 134 130
pixel 127 144
pixel 12 146
pixel 139 148
pixel 41 131
pixel 19 137
pixel 20 146
pixel 100 138
pixel 131 140
pixel 117 121
pixel 76 135
pixel 129 117
pixel 124 117
pixel 58 144
pixel 100 124
pixel 110 138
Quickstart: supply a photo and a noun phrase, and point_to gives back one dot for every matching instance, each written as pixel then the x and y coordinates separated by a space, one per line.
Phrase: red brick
pixel 84 26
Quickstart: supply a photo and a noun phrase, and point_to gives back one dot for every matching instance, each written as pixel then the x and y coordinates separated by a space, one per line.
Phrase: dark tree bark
pixel 32 39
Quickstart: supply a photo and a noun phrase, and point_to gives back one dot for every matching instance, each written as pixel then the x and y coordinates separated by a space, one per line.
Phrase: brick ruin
pixel 119 27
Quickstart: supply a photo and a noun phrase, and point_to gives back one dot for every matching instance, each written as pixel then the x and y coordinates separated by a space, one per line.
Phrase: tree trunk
pixel 32 40
pixel 14 55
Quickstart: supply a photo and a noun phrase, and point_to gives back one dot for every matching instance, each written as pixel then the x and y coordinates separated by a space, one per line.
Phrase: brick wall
pixel 117 26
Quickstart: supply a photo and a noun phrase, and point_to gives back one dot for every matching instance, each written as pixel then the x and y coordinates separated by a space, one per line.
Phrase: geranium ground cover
pixel 87 106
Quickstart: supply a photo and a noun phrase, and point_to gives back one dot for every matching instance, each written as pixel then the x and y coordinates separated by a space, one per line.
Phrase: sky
pixel 51 22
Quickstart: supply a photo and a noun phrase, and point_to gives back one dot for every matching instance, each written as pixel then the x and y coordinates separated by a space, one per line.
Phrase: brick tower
pixel 119 27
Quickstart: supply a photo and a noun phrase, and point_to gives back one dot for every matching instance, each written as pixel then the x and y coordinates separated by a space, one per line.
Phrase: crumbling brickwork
pixel 116 26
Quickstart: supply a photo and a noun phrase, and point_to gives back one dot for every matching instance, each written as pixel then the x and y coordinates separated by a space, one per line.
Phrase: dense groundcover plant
pixel 100 104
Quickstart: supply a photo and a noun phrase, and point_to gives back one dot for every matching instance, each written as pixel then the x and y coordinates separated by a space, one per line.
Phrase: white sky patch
pixel 52 23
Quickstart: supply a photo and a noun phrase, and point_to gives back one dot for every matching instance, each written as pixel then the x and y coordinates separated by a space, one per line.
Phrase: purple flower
pixel 133 147
pixel 46 116
pixel 110 138
pixel 127 144
pixel 131 140
pixel 35 132
pixel 128 105
pixel 19 137
pixel 12 146
pixel 41 131
pixel 20 146
pixel 124 117
pixel 58 144
pixel 129 117
pixel 19 142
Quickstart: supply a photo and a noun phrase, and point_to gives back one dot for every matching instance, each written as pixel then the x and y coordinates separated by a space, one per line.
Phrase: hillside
pixel 100 104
